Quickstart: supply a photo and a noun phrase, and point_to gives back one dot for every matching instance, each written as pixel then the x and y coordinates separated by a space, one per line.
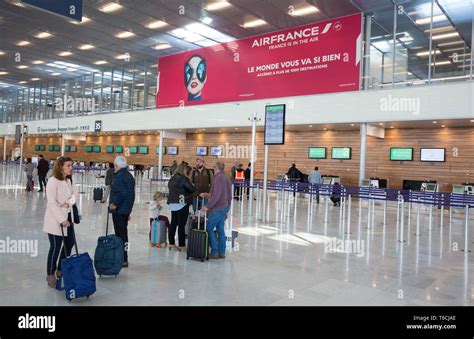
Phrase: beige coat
pixel 58 192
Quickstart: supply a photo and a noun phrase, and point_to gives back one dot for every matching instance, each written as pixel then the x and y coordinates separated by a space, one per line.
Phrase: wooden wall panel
pixel 454 170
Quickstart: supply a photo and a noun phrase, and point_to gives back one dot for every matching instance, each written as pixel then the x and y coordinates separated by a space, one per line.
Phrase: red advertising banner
pixel 318 58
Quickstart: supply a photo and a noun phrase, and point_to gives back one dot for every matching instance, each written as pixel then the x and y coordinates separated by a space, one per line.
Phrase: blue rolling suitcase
pixel 109 253
pixel 77 273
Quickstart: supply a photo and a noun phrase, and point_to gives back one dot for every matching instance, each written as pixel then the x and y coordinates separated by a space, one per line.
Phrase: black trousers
pixel 121 230
pixel 56 251
pixel 178 220
pixel 42 180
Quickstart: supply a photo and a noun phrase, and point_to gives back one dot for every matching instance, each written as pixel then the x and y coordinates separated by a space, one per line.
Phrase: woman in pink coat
pixel 61 194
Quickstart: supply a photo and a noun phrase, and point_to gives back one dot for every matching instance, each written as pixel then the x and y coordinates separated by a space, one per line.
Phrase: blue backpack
pixel 78 273
pixel 109 254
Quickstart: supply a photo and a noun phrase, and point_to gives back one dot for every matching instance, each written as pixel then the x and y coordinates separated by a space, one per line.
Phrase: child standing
pixel 155 214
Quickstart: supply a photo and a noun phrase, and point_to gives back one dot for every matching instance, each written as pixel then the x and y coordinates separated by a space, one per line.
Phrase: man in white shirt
pixel 314 178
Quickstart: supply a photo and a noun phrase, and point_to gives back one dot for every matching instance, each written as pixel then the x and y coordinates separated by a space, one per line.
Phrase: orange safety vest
pixel 239 175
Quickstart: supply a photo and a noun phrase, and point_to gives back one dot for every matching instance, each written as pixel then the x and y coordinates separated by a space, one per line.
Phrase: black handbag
pixel 76 218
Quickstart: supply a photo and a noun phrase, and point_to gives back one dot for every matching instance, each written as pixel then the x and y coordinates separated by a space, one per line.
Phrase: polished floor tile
pixel 287 260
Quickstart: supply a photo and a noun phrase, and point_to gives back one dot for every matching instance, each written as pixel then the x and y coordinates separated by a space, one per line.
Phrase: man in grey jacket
pixel 29 168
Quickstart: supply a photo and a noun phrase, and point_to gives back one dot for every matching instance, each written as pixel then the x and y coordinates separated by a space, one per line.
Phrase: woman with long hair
pixel 61 194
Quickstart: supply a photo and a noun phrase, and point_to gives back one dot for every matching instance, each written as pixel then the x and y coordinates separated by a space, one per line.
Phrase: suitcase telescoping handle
pixel 107 225
pixel 199 215
pixel 71 234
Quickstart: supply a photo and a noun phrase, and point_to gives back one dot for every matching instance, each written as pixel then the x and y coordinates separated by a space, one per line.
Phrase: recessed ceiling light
pixel 180 130
pixel 110 7
pixel 23 43
pixel 426 53
pixel 440 29
pixel 100 62
pixel 443 125
pixel 124 34
pixel 304 10
pixel 84 20
pixel 34 79
pixel 254 23
pixel 472 120
pixel 22 82
pixel 2 53
pixel 162 46
pixel 37 62
pixel 459 42
pixel 122 56
pixel 352 125
pixel 435 122
pixel 56 73
pixel 22 66
pixel 310 125
pixel 3 73
pixel 207 20
pixel 43 35
pixel 445 36
pixel 65 54
pixel 218 5
pixel 139 85
pixel 220 131
pixel 236 128
pixel 86 47
pixel 439 63
pixel 436 18
pixel 156 24
pixel 391 127
pixel 71 69
pixel 324 128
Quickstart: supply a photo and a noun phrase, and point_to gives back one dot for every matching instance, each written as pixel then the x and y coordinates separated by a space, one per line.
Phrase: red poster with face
pixel 318 58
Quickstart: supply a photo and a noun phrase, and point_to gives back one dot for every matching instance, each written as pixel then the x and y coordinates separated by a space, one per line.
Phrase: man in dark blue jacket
pixel 122 197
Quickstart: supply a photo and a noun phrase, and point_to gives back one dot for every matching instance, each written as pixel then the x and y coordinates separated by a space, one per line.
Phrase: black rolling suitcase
pixel 198 241
pixel 98 193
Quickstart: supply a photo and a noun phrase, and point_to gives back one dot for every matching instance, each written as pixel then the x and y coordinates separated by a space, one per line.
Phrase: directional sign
pixel 98 126
pixel 71 9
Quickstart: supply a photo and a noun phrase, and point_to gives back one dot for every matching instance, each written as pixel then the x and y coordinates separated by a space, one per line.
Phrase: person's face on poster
pixel 195 77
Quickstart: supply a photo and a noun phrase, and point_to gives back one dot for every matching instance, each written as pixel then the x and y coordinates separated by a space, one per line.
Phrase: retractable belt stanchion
pixel 466 229
pixel 431 216
pixel 402 219
pixel 344 209
pixel 385 211
pixel 418 218
pixel 441 221
pixel 349 202
pixel 326 207
pixel 369 205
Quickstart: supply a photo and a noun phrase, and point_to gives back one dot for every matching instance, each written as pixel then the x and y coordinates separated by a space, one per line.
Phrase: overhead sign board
pixel 71 9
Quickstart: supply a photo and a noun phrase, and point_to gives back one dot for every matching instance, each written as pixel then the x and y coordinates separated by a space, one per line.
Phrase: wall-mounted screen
pixel 317 153
pixel 37 147
pixel 109 149
pixel 158 150
pixel 172 150
pixel 96 149
pixel 41 148
pixel 73 148
pixel 143 150
pixel 274 125
pixel 433 154
pixel 201 150
pixel 119 149
pixel 133 149
pixel 216 151
pixel 89 149
pixel 57 148
pixel 67 148
pixel 51 148
pixel 401 154
pixel 343 153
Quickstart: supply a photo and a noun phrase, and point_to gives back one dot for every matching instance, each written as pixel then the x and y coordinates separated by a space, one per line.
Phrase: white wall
pixel 442 101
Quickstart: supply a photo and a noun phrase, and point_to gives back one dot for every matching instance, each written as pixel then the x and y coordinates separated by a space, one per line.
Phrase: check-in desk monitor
pixel 280 177
pixel 327 181
pixel 429 187
pixel 365 183
pixel 469 190
pixel 458 189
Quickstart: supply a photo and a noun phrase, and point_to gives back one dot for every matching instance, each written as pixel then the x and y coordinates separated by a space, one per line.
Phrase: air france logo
pixel 37 322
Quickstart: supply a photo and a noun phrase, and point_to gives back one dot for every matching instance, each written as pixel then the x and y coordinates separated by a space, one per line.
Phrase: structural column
pixel 5 140
pixel 160 155
pixel 363 150
pixel 62 144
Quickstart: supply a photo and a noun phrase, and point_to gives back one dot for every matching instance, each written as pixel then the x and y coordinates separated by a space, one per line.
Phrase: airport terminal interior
pixel 352 120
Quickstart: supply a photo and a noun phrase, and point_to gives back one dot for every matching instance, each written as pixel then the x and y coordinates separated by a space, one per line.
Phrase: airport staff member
pixel 122 197
pixel 314 178
pixel 220 199
pixel 202 179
